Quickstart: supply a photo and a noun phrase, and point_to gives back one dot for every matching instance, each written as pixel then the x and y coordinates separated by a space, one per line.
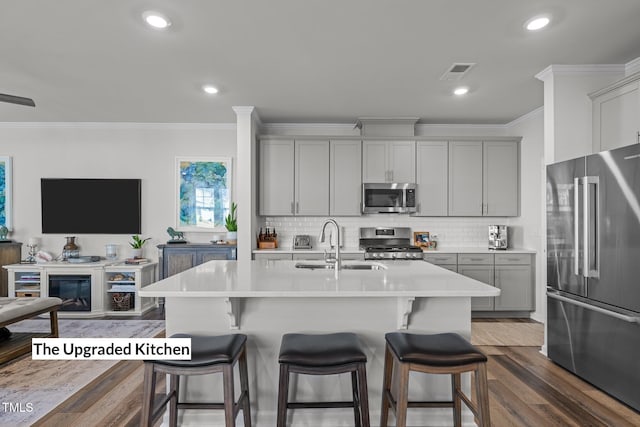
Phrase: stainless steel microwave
pixel 389 198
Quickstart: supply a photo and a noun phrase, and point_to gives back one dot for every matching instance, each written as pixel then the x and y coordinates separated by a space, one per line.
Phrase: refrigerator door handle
pixel 576 226
pixel 590 230
pixel 630 319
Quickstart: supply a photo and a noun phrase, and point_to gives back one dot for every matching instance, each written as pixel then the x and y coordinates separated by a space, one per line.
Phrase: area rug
pixel 35 387
pixel 507 333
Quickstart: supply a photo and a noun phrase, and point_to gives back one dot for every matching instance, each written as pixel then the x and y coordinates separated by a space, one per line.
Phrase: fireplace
pixel 74 291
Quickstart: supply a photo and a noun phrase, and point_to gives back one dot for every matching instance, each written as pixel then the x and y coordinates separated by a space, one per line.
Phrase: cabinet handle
pixel 297 207
pixel 638 137
pixel 475 259
pixel 418 208
pixel 292 209
pixel 391 176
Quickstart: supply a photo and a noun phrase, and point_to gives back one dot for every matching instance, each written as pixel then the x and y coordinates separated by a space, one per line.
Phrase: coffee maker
pixel 498 237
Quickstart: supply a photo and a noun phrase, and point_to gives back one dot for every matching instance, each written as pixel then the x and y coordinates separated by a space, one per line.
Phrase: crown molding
pixel 315 128
pixel 118 126
pixel 632 67
pixel 526 116
pixel 423 127
pixel 560 69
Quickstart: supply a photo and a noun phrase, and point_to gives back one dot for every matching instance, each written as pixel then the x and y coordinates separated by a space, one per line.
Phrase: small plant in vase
pixel 137 243
pixel 231 224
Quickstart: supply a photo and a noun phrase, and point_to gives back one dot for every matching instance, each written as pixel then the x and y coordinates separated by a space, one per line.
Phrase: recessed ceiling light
pixel 156 20
pixel 537 23
pixel 211 90
pixel 462 90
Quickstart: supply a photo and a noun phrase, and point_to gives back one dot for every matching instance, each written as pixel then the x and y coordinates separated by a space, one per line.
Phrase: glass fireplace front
pixel 73 290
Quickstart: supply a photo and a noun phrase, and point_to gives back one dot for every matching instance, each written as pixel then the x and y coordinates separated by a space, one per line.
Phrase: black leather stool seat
pixel 321 350
pixel 208 350
pixel 324 354
pixel 448 354
pixel 447 349
pixel 209 355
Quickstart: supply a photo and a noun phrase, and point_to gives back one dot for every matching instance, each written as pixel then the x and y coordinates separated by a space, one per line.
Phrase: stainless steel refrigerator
pixel 593 269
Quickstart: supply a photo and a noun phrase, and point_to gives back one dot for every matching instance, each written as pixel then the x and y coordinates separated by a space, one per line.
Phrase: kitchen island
pixel 265 299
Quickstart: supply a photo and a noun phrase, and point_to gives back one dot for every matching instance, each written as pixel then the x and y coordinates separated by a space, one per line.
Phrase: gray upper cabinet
pixel 276 177
pixel 483 178
pixel 345 178
pixel 294 177
pixel 432 167
pixel 465 178
pixel 500 178
pixel 616 114
pixel 388 161
pixel 311 177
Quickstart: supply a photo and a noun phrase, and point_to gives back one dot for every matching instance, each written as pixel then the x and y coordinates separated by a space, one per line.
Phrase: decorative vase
pixel 136 252
pixel 232 237
pixel 70 249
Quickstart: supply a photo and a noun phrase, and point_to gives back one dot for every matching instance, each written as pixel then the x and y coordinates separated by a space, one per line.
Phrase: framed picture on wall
pixel 203 193
pixel 5 192
pixel 421 238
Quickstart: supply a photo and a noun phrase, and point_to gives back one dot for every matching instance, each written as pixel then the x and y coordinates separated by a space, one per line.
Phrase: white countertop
pixel 65 264
pixel 317 250
pixel 443 250
pixel 480 250
pixel 269 278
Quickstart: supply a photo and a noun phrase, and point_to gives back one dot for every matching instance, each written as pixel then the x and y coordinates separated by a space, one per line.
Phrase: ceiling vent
pixel 457 71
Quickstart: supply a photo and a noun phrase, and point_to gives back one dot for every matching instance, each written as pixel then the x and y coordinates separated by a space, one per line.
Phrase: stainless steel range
pixel 389 243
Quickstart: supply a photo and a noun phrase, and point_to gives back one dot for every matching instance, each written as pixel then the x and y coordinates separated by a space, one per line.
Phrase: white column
pixel 568 109
pixel 245 179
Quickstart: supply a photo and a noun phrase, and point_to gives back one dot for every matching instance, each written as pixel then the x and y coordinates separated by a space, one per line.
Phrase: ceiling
pixel 297 61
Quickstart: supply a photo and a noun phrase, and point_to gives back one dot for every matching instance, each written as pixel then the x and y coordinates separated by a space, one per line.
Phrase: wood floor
pixel 526 389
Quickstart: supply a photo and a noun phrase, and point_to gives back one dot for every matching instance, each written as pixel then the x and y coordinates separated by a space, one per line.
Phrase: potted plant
pixel 231 224
pixel 137 244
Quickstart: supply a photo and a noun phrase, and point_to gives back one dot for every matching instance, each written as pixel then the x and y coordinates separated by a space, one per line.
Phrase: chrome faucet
pixel 337 262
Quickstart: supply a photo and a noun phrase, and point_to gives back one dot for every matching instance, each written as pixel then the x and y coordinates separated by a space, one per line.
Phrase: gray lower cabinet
pixel 513 274
pixel 514 278
pixel 174 259
pixel 448 261
pixel 308 256
pixel 273 256
pixel 484 274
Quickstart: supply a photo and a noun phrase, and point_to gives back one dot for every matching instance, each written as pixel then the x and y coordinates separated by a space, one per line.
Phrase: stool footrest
pixel 298 405
pixel 159 405
pixel 202 405
pixel 430 404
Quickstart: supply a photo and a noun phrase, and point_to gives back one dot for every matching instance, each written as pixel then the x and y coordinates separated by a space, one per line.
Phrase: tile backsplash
pixel 457 232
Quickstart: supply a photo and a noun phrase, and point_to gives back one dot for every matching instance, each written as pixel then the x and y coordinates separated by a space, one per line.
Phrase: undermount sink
pixel 325 266
pixel 363 267
pixel 315 266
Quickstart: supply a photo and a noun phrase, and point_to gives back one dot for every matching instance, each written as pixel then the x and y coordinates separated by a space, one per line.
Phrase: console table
pixel 93 289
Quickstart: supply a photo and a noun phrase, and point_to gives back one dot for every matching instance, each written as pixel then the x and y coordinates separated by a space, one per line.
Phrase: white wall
pixel 117 150
pixel 531 221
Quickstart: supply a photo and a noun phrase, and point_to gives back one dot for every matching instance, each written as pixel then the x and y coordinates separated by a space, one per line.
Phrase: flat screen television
pixel 91 206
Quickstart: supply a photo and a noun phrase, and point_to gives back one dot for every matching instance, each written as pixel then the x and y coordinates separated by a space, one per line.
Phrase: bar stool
pixel 324 355
pixel 209 355
pixel 447 353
